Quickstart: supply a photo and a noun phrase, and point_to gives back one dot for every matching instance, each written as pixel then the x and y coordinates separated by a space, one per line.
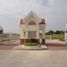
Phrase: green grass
pixel 55 36
pixel 31 44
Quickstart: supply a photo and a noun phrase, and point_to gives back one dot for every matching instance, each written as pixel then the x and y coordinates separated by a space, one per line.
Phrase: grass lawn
pixel 55 36
pixel 31 44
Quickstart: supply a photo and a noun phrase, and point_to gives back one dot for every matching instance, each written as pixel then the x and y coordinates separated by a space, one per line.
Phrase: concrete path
pixel 22 47
pixel 11 42
pixel 22 58
pixel 54 41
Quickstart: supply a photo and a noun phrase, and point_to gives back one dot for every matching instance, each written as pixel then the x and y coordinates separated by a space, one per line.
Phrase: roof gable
pixel 32 15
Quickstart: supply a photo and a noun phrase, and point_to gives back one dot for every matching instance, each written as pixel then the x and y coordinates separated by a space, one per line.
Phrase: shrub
pixel 31 44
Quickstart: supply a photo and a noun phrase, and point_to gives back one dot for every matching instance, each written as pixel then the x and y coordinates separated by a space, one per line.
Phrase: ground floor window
pixel 32 34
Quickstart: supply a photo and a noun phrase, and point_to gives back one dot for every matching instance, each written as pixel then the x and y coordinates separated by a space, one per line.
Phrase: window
pixel 32 23
pixel 32 34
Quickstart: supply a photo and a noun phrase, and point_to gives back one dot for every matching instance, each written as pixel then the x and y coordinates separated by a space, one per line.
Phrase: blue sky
pixel 54 11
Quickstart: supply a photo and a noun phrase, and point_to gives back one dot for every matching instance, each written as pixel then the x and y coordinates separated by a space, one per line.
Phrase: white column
pixel 66 38
pixel 26 34
pixel 21 35
pixel 66 34
pixel 37 34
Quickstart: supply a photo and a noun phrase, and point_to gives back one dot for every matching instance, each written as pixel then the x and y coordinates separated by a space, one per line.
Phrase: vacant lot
pixel 55 36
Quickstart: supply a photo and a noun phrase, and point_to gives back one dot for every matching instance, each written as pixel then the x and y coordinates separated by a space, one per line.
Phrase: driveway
pixel 33 58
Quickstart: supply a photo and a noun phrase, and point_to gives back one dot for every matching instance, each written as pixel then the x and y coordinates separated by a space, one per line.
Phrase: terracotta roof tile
pixel 21 22
pixel 42 21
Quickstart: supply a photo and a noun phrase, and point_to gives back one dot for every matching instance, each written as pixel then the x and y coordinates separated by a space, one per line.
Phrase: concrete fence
pixel 8 37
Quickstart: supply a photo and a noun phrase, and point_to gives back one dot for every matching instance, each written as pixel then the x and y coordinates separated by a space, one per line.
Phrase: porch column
pixel 21 38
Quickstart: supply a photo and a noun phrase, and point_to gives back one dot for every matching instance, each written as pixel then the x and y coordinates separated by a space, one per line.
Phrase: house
pixel 32 27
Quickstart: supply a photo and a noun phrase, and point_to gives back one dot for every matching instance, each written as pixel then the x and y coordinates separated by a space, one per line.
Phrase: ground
pixel 51 44
pixel 55 56
pixel 33 58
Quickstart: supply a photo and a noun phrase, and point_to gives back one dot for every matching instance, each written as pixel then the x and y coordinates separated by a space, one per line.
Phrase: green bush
pixel 31 44
pixel 31 41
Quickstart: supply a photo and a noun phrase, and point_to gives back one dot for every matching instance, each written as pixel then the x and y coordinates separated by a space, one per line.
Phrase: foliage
pixel 50 32
pixel 31 44
pixel 56 32
pixel 59 32
pixel 1 31
pixel 31 41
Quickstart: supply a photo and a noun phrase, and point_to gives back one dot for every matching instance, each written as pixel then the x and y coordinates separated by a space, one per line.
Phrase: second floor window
pixel 32 23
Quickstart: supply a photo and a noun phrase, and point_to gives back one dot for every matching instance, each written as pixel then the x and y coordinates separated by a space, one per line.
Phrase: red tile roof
pixel 21 22
pixel 42 21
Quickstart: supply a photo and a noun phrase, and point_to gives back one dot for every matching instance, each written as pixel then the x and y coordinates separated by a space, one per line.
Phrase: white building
pixel 32 27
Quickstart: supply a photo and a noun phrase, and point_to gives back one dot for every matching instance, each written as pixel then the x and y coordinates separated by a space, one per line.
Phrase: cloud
pixel 54 11
pixel 57 14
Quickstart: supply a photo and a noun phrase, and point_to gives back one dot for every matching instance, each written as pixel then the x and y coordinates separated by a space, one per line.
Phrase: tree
pixel 59 32
pixel 1 30
pixel 50 32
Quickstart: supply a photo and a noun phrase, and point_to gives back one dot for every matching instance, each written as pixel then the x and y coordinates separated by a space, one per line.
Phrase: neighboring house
pixel 32 27
pixel 1 30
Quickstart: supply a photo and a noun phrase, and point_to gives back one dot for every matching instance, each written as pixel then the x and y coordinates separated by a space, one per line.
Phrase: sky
pixel 54 12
